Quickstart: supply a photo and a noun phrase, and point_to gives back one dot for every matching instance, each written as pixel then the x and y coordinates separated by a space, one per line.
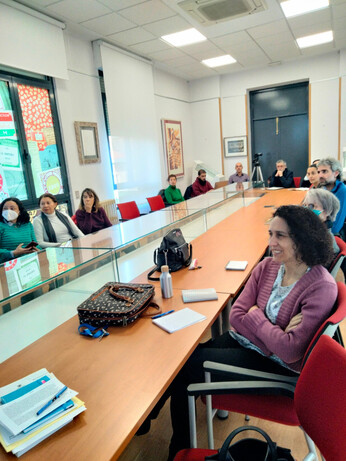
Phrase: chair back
pixel 111 210
pixel 336 264
pixel 74 219
pixel 188 192
pixel 156 203
pixel 296 180
pixel 219 184
pixel 330 325
pixel 128 210
pixel 319 398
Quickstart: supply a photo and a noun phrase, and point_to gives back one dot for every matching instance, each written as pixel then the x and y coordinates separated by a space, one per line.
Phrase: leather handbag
pixel 117 304
pixel 250 448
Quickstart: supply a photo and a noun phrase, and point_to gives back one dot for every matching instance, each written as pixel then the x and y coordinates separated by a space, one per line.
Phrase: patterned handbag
pixel 117 304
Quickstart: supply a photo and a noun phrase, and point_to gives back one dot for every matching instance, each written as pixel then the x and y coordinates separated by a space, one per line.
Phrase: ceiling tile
pixel 320 49
pixel 109 24
pixel 340 43
pixel 278 38
pixel 270 28
pixel 38 3
pixel 340 34
pixel 311 29
pixel 230 68
pixel 150 11
pixel 200 48
pixel 150 46
pixel 182 61
pixel 339 24
pixel 167 26
pixel 339 11
pixel 315 17
pixel 282 51
pixel 132 36
pixel 79 10
pixel 165 55
pixel 231 39
pixel 253 59
pixel 117 5
pixel 245 47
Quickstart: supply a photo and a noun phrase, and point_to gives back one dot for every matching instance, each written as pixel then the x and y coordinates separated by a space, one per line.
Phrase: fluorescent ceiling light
pixel 185 37
pixel 316 39
pixel 296 7
pixel 219 61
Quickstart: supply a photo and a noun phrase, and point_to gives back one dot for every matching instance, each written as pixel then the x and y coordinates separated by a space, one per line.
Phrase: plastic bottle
pixel 166 282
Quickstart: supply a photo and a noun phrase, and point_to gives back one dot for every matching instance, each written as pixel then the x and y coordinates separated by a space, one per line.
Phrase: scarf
pixel 49 228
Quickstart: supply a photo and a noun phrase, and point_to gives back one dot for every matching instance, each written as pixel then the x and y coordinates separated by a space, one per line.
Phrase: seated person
pixel 311 178
pixel 282 177
pixel 90 216
pixel 16 230
pixel 325 205
pixel 172 193
pixel 52 227
pixel 284 302
pixel 201 185
pixel 238 176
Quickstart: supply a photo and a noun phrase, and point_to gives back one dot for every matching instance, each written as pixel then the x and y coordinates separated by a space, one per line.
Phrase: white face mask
pixel 10 215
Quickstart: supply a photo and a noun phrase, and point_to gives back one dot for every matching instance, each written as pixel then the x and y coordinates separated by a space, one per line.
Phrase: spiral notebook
pixel 179 320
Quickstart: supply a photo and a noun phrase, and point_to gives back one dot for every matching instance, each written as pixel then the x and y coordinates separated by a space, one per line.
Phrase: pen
pixel 53 414
pixel 161 315
pixel 56 396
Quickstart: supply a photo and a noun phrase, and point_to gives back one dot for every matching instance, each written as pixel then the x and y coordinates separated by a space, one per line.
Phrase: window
pixel 31 155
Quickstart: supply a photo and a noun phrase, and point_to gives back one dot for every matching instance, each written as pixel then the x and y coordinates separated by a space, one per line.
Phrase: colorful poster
pixel 51 181
pixel 3 186
pixel 22 273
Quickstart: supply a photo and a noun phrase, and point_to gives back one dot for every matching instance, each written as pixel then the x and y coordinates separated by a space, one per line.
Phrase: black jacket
pixel 286 180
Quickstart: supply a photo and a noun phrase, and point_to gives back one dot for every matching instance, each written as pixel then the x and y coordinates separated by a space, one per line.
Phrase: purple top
pixel 92 222
pixel 236 178
pixel 313 295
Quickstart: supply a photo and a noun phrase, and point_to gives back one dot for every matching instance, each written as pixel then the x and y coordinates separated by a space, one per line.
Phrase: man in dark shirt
pixel 282 177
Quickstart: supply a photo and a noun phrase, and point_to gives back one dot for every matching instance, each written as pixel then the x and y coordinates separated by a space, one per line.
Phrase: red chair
pixel 128 210
pixel 296 180
pixel 232 396
pixel 319 402
pixel 336 264
pixel 74 219
pixel 156 203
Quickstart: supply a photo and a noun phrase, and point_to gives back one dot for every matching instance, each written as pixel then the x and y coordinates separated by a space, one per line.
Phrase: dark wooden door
pixel 280 127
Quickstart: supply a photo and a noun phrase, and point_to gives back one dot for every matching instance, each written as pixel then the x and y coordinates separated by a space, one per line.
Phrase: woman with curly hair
pixel 16 230
pixel 90 216
pixel 286 299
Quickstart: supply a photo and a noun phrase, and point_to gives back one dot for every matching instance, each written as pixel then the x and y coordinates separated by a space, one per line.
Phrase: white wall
pixel 79 99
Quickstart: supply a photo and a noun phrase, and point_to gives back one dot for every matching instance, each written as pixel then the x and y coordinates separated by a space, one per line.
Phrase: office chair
pixel 74 219
pixel 296 181
pixel 128 210
pixel 319 402
pixel 237 397
pixel 188 192
pixel 156 203
pixel 336 264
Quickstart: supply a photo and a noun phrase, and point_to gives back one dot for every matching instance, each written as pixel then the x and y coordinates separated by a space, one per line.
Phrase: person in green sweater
pixel 16 230
pixel 172 193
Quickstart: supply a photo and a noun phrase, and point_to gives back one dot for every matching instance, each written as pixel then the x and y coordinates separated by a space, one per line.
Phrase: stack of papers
pixel 236 265
pixel 201 294
pixel 178 320
pixel 20 426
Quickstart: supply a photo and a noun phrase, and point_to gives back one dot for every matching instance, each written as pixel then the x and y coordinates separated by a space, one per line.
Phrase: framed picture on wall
pixel 235 146
pixel 87 142
pixel 173 145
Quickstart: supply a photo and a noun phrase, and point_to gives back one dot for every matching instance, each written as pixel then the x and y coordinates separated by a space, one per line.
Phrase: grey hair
pixel 281 161
pixel 334 165
pixel 330 203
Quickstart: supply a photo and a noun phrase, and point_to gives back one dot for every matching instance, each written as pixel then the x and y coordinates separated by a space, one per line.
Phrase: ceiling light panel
pixel 185 37
pixel 219 61
pixel 297 7
pixel 316 39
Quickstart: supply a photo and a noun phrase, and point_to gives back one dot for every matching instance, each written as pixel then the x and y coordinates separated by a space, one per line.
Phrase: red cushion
pixel 193 454
pixel 156 203
pixel 128 210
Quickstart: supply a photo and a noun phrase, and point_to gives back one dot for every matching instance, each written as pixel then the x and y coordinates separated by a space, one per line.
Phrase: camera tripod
pixel 257 173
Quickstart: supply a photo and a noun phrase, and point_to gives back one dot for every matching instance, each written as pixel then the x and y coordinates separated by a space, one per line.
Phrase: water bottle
pixel 166 282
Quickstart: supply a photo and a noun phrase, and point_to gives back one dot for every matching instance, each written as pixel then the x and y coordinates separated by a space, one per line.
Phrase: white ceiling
pixel 254 41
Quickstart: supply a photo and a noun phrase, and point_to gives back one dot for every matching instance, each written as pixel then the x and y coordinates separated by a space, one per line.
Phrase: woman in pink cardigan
pixel 286 299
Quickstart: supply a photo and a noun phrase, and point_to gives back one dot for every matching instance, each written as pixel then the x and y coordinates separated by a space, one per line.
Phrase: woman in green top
pixel 16 230
pixel 172 193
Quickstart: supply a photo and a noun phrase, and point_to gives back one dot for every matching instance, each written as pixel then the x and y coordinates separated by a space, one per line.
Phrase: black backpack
pixel 174 252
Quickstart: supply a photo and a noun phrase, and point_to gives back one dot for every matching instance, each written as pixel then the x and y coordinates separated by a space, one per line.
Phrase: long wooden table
pixel 122 377
pixel 119 378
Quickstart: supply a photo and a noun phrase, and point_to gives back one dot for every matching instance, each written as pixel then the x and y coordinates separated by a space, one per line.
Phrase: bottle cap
pixel 164 268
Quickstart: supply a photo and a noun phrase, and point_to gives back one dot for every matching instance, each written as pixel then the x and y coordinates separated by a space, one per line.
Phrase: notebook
pixel 236 265
pixel 178 320
pixel 203 294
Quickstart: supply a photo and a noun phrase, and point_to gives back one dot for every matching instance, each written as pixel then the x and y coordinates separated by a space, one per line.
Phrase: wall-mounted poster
pixel 173 145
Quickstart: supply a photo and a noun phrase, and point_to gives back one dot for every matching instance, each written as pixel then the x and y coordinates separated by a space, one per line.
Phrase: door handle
pixel 277 125
pixel 27 156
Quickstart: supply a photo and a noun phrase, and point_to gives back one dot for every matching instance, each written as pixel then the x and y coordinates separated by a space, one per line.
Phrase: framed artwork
pixel 173 145
pixel 87 142
pixel 235 146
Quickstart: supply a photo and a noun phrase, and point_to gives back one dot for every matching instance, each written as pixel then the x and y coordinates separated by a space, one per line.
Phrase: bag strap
pixel 224 449
pixel 155 279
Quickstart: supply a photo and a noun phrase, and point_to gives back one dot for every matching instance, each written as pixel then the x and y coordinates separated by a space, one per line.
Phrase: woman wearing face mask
pixel 326 206
pixel 90 216
pixel 16 230
pixel 52 227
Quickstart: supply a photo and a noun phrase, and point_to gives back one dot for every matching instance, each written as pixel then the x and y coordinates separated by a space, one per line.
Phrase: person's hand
pixel 253 308
pixel 20 250
pixel 294 322
pixel 279 174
